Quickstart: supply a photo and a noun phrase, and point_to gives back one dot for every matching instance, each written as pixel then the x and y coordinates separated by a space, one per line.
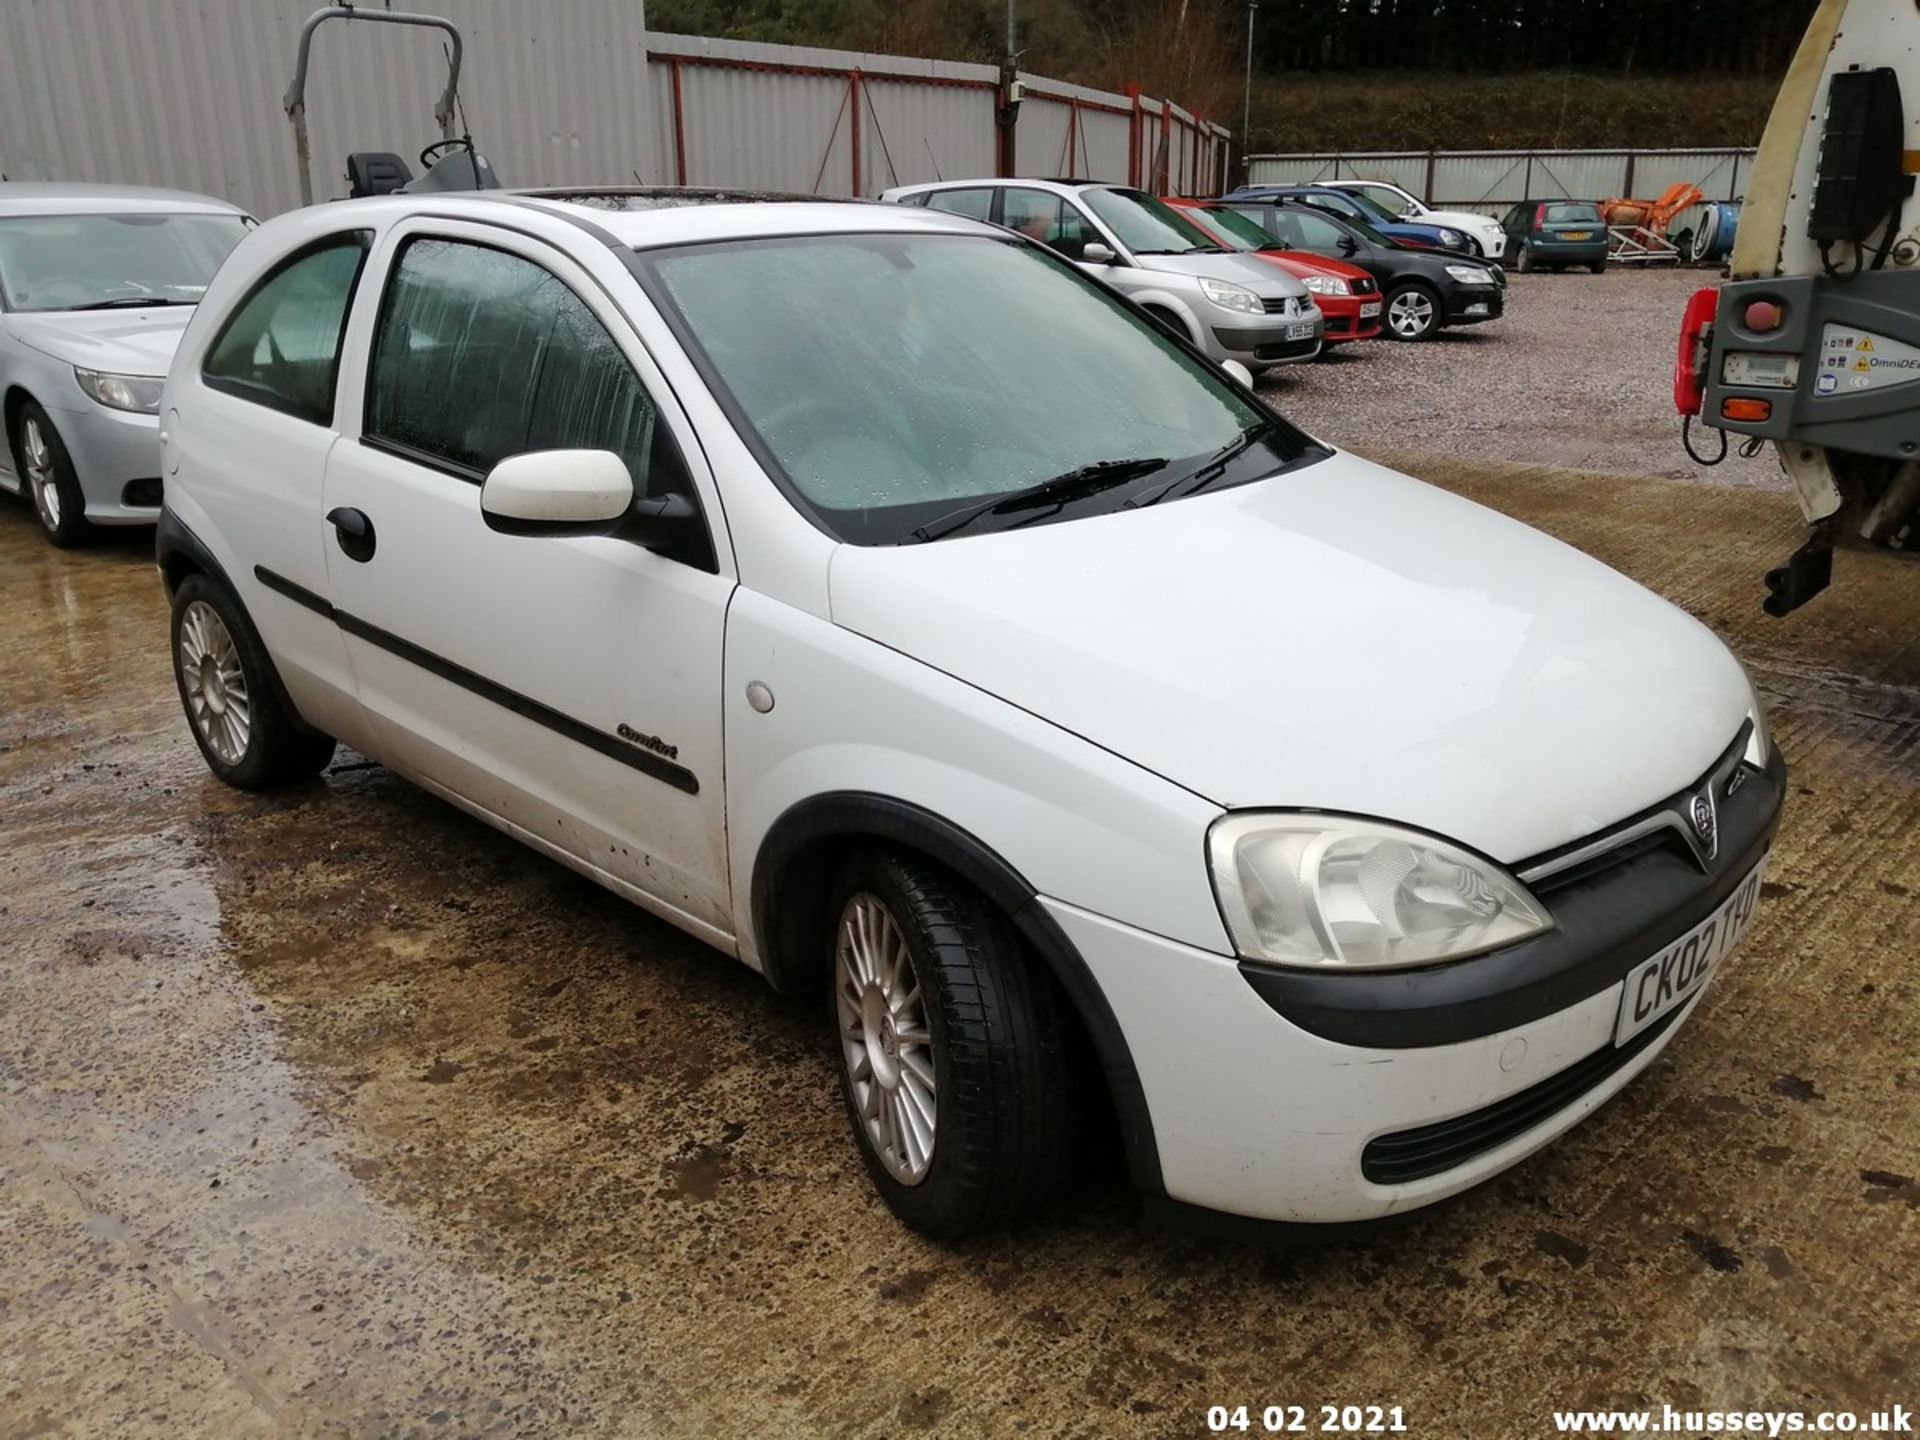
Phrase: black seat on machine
pixel 375 172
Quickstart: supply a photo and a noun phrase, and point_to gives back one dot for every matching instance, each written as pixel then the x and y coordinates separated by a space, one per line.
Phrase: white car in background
pixel 871 595
pixel 96 284
pixel 1485 230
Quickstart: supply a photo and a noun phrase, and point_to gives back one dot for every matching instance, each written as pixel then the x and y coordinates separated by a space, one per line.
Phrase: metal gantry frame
pixel 296 101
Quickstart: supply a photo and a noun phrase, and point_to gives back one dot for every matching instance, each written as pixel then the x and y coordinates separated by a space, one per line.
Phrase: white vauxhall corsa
pixel 873 595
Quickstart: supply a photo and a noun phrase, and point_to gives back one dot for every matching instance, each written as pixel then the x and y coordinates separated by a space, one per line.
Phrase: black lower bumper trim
pixel 1408 1155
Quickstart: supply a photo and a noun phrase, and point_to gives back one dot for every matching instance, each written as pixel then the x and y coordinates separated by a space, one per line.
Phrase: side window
pixel 281 346
pixel 480 354
pixel 974 204
pixel 1316 231
pixel 1046 217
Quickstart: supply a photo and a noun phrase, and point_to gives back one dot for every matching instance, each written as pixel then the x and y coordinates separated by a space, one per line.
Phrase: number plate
pixel 1369 310
pixel 1303 331
pixel 1679 972
pixel 1576 235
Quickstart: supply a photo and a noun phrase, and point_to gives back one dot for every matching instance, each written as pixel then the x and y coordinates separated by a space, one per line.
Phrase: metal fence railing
pixel 1493 180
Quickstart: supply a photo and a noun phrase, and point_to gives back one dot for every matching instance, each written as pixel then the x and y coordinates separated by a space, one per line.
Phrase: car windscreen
pixel 901 387
pixel 101 261
pixel 1371 209
pixel 1144 225
pixel 1571 214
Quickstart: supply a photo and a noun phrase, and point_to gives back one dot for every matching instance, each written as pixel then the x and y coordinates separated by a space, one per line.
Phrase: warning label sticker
pixel 1855 360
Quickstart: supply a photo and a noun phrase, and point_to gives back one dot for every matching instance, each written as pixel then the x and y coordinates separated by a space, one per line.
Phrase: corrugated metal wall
pixel 188 93
pixel 916 120
pixel 1494 179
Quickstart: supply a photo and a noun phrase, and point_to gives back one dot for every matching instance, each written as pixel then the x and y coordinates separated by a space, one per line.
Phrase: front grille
pixel 1409 1155
pixel 141 492
pixel 1278 307
pixel 1339 325
pixel 1364 286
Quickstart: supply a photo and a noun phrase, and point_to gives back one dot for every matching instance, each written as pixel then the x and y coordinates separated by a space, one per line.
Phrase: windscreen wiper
pixel 1210 470
pixel 129 302
pixel 1086 480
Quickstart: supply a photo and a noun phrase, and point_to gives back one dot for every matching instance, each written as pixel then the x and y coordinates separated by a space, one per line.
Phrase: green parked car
pixel 1556 235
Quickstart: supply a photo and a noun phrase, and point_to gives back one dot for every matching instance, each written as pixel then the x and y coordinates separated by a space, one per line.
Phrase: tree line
pixel 1666 37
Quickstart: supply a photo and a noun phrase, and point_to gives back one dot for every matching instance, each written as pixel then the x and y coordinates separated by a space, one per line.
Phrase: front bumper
pixel 1324 1110
pixel 116 457
pixel 1474 304
pixel 1267 344
pixel 1344 321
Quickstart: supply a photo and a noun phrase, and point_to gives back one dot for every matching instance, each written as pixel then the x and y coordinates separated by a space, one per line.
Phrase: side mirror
pixel 1349 245
pixel 1238 372
pixel 557 492
pixel 1095 253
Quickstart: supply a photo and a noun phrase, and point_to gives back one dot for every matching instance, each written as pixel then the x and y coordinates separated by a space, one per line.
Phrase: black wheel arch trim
pixel 783 931
pixel 172 538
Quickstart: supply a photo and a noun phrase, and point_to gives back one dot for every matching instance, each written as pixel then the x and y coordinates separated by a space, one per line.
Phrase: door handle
pixel 354 531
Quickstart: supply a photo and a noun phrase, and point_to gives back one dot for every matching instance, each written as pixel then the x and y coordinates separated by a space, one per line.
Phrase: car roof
pixel 1029 182
pixel 649 217
pixel 23 197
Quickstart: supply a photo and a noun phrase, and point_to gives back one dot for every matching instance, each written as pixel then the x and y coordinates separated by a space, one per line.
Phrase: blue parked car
pixel 1346 206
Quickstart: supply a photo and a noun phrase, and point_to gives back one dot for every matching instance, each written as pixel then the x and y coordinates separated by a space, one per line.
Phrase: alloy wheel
pixel 214 683
pixel 1411 314
pixel 41 480
pixel 885 1042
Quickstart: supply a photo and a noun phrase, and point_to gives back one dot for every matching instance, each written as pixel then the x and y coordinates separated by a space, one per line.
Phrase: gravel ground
pixel 1578 374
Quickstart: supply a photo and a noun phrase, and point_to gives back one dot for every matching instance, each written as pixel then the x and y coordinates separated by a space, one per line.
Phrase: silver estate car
pixel 96 284
pixel 1232 306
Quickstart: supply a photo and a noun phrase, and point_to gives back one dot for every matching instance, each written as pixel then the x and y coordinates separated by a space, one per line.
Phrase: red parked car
pixel 1348 296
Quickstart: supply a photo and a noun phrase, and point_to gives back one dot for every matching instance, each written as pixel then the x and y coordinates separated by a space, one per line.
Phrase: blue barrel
pixel 1713 237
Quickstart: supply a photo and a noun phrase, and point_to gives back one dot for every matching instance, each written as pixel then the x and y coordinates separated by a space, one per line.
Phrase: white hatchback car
pixel 873 595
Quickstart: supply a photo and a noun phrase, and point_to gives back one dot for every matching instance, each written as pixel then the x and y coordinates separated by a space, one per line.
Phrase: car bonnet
pixel 1340 637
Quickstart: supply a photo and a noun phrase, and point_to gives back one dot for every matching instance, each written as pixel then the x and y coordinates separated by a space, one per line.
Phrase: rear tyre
pixel 47 478
pixel 247 736
pixel 1523 260
pixel 1599 267
pixel 953 1049
pixel 1413 312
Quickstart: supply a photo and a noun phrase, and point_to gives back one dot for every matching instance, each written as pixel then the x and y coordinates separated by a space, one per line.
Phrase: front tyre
pixel 953 1049
pixel 48 480
pixel 1413 312
pixel 247 736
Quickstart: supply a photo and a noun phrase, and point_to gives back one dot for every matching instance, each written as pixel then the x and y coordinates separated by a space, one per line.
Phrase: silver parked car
pixel 1232 306
pixel 96 284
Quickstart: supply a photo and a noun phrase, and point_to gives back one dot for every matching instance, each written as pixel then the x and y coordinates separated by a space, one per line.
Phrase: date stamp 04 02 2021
pixel 1302 1419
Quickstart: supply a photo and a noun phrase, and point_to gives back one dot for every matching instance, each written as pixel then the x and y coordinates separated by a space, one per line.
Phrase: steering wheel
pixel 432 152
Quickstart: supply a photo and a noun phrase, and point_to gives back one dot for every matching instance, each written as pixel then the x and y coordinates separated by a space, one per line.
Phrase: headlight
pixel 1333 893
pixel 1471 274
pixel 139 393
pixel 1452 239
pixel 1760 738
pixel 1327 285
pixel 1231 297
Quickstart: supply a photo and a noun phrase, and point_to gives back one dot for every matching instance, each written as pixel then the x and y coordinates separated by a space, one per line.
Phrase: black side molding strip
pixel 525 706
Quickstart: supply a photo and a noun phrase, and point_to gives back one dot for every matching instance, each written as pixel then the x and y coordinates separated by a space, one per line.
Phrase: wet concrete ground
pixel 338 1113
